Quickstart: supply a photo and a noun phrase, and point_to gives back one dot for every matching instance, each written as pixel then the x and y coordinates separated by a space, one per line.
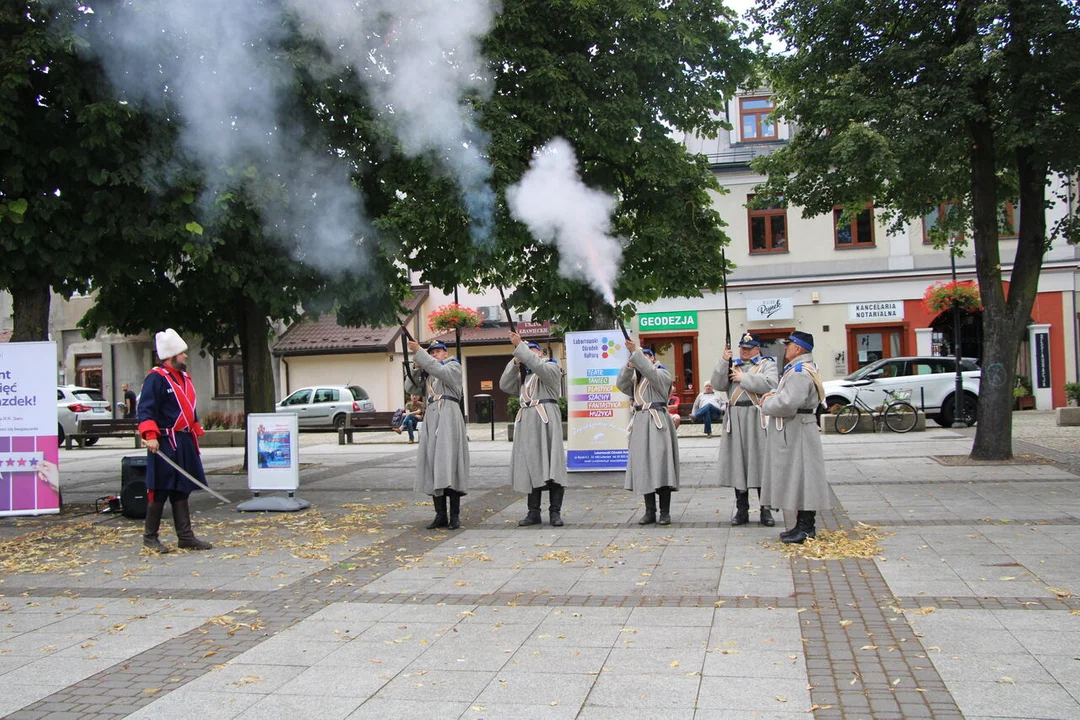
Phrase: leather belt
pixel 432 398
pixel 805 411
pixel 650 406
pixel 545 401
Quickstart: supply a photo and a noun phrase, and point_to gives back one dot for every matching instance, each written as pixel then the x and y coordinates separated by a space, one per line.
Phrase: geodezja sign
pixel 654 322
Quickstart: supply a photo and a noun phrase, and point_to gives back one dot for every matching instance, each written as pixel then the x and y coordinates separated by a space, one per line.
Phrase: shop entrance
pixel 678 353
pixel 482 377
pixel 869 343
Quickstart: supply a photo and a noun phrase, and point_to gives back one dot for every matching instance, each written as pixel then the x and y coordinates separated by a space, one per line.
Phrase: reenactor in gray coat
pixel 653 466
pixel 794 476
pixel 742 440
pixel 442 464
pixel 538 461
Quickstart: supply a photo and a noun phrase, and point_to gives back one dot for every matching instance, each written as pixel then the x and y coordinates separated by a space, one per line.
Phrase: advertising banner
pixel 598 412
pixel 273 461
pixel 29 459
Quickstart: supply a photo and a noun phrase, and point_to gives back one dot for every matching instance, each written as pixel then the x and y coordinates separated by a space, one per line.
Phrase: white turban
pixel 169 344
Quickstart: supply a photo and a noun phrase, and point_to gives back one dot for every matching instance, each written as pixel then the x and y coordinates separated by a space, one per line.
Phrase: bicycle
pixel 898 415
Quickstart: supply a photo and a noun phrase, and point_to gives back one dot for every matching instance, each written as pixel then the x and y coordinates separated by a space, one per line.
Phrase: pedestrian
pixel 653 466
pixel 442 465
pixel 673 404
pixel 129 401
pixel 794 472
pixel 169 426
pixel 742 442
pixel 707 409
pixel 412 417
pixel 538 461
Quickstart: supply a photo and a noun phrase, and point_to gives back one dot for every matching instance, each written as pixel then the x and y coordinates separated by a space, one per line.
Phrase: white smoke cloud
pixel 418 59
pixel 557 207
pixel 219 64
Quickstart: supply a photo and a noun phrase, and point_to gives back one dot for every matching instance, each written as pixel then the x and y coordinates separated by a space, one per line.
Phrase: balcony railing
pixel 742 154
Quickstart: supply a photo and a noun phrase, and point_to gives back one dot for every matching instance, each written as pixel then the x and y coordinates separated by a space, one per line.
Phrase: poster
pixel 29 459
pixel 598 412
pixel 273 462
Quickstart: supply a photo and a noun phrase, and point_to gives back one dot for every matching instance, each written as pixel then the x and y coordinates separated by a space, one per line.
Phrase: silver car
pixel 74 403
pixel 326 405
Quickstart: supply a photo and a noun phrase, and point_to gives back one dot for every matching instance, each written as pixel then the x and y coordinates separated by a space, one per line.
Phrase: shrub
pixel 1072 392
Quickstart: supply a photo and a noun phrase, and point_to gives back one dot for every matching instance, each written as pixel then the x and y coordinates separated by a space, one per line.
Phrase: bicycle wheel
pixel 847 419
pixel 900 417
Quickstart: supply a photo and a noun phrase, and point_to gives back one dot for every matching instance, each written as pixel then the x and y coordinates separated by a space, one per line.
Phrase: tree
pixel 908 105
pixel 70 156
pixel 615 78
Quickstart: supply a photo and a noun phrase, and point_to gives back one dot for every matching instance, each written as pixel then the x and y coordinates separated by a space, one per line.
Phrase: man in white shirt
pixel 707 409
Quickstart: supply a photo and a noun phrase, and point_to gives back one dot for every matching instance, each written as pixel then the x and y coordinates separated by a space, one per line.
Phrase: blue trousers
pixel 707 415
pixel 409 423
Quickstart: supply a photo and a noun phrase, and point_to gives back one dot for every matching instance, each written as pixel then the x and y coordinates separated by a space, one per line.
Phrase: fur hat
pixel 169 344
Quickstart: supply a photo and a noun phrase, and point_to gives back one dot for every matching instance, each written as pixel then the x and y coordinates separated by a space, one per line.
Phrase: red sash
pixel 185 397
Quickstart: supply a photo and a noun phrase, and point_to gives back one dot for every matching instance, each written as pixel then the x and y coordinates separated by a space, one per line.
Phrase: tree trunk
pixel 30 308
pixel 254 332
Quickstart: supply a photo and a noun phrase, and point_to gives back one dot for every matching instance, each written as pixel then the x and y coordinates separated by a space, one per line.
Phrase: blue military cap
pixel 803 339
pixel 648 351
pixel 534 346
pixel 749 340
pixel 436 346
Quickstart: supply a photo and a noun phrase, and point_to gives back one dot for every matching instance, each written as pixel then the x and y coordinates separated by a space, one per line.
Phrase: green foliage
pixel 1072 392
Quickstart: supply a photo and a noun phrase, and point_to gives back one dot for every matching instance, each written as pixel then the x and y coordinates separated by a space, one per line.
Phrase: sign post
pixel 273 462
pixel 598 412
pixel 29 457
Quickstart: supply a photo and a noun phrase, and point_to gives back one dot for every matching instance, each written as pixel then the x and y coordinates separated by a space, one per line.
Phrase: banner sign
pixel 770 309
pixel 29 458
pixel 598 412
pixel 534 329
pixel 273 461
pixel 1042 360
pixel 660 322
pixel 885 310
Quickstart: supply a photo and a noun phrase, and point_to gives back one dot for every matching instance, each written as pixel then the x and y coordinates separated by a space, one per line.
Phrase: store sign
pixel 659 322
pixel 1042 360
pixel 870 311
pixel 534 329
pixel 770 309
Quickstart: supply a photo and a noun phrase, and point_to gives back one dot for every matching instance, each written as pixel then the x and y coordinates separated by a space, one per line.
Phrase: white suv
pixel 931 380
pixel 75 403
pixel 326 405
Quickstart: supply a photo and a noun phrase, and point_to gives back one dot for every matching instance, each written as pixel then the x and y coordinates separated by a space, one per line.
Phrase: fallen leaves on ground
pixel 860 541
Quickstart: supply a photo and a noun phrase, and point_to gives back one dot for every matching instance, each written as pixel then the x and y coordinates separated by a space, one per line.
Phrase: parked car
pixel 326 405
pixel 74 403
pixel 931 380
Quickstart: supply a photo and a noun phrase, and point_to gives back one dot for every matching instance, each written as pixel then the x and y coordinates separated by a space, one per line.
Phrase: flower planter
pixel 1068 416
pixel 1025 402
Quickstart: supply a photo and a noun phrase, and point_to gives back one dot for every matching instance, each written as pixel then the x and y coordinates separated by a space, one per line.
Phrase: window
pixel 300 397
pixel 936 217
pixel 228 377
pixel 858 233
pixel 325 395
pixel 768 227
pixel 1007 213
pixel 754 114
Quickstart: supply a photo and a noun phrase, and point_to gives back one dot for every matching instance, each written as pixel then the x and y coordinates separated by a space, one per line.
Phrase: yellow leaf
pixel 151 691
pixel 781 698
pixel 674 663
pixel 845 623
pixel 1007 680
pixel 1060 592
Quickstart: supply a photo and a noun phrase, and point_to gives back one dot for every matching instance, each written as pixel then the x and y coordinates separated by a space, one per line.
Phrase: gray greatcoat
pixel 443 458
pixel 654 444
pixel 538 455
pixel 794 475
pixel 742 440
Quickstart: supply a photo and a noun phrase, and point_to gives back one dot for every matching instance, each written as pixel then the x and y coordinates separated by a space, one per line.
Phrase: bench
pixel 365 422
pixel 93 429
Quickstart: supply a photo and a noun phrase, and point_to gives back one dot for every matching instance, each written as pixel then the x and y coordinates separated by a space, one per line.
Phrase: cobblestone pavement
pixel 351 609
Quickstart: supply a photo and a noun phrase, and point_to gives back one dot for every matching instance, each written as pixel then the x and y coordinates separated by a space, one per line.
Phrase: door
pixel 483 379
pixel 678 353
pixel 324 405
pixel 867 344
pixel 300 403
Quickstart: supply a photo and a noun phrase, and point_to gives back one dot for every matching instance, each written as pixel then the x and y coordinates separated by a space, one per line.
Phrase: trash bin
pixel 485 408
pixel 133 486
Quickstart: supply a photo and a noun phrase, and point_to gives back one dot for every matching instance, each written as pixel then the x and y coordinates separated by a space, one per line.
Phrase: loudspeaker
pixel 133 487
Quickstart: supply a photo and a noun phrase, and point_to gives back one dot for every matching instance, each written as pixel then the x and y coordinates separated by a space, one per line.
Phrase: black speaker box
pixel 133 487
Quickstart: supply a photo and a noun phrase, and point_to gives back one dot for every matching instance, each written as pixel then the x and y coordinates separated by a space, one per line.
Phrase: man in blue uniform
pixel 168 424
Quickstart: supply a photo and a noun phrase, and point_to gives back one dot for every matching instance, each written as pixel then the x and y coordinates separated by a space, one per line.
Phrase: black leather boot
pixel 798 525
pixel 455 509
pixel 154 511
pixel 440 520
pixel 805 529
pixel 766 518
pixel 185 536
pixel 650 510
pixel 555 508
pixel 742 508
pixel 665 506
pixel 532 517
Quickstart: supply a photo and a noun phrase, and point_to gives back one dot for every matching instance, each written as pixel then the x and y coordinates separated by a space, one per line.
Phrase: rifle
pixel 513 327
pixel 727 318
pixel 618 319
pixel 405 337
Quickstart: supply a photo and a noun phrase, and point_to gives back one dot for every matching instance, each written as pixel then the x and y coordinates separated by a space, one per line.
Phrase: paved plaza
pixel 353 610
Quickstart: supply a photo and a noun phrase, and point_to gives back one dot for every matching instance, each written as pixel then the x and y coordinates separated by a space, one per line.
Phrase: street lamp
pixel 958 396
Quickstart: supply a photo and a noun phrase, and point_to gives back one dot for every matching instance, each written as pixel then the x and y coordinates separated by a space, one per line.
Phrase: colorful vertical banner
pixel 29 458
pixel 598 412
